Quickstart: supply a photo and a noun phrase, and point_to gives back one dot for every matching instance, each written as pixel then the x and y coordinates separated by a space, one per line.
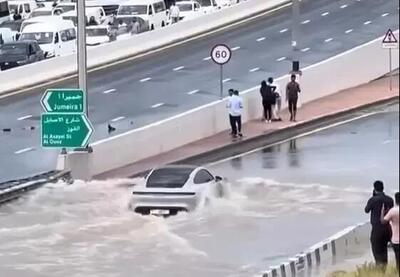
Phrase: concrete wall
pixel 47 70
pixel 326 253
pixel 357 66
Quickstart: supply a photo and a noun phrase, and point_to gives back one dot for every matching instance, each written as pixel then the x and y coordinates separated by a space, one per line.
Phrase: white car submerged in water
pixel 175 188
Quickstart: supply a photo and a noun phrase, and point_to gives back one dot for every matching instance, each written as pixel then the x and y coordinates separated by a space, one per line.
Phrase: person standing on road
pixel 278 99
pixel 174 13
pixel 230 93
pixel 393 218
pixel 235 106
pixel 380 233
pixel 292 95
pixel 267 96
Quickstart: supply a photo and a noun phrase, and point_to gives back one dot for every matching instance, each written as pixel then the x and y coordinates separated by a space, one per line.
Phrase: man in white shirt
pixel 235 106
pixel 174 13
pixel 278 98
pixel 393 218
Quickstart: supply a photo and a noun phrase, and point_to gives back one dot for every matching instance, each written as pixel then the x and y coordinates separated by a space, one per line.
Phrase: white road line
pixel 254 69
pixel 109 91
pixel 117 119
pixel 390 141
pixel 24 117
pixel 281 59
pixel 179 68
pixel 207 59
pixel 145 80
pixel 343 6
pixel 385 14
pixel 328 39
pixel 235 48
pixel 226 80
pixel 193 92
pixel 157 105
pixel 349 31
pixel 283 30
pixel 367 22
pixel 324 14
pixel 23 150
pixel 261 39
pixel 305 49
pixel 306 21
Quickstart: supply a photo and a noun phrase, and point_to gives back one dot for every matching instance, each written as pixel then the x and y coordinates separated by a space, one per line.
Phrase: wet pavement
pixel 282 200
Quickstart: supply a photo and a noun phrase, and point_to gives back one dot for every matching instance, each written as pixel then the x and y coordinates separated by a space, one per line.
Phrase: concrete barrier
pixel 120 51
pixel 321 255
pixel 344 70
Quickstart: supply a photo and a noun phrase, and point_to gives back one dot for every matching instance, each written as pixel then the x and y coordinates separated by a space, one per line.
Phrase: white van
pixel 55 38
pixel 40 19
pixel 97 13
pixel 209 6
pixel 21 9
pixel 154 12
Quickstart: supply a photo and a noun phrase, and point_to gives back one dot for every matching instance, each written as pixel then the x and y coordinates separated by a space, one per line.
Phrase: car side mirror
pixel 218 178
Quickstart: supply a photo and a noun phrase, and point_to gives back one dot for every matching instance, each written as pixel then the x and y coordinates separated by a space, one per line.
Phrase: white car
pixel 175 188
pixel 189 10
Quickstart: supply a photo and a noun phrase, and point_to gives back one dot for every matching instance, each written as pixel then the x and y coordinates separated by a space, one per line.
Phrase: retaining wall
pixel 352 68
pixel 56 68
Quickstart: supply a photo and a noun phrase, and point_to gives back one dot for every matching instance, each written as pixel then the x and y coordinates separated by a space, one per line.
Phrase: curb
pixel 264 140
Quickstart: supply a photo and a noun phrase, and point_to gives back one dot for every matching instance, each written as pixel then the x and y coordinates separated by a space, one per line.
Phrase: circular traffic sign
pixel 221 54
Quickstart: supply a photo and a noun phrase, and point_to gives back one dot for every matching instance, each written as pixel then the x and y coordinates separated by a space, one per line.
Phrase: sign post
pixel 65 124
pixel 390 42
pixel 221 54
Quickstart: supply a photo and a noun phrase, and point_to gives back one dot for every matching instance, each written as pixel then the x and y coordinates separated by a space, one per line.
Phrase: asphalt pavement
pixel 282 200
pixel 178 79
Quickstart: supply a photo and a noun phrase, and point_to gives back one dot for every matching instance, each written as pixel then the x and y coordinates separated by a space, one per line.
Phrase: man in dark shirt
pixel 381 233
pixel 292 94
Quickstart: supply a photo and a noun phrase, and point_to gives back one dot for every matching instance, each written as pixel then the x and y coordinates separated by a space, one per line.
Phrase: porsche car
pixel 172 189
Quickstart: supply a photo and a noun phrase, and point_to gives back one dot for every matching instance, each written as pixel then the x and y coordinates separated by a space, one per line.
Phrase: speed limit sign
pixel 221 54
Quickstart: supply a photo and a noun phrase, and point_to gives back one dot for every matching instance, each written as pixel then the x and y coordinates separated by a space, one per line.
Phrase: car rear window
pixel 168 177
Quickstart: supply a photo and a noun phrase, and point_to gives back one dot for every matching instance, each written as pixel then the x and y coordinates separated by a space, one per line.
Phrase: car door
pixel 204 181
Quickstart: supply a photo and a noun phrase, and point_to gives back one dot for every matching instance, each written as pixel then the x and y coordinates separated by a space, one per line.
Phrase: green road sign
pixel 65 130
pixel 63 101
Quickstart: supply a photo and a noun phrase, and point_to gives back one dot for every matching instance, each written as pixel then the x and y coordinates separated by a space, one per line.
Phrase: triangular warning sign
pixel 389 37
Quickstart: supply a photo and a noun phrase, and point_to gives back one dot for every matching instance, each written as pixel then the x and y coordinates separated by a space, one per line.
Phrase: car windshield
pixel 13 49
pixel 185 7
pixel 132 10
pixel 168 177
pixel 66 8
pixel 12 25
pixel 96 32
pixel 205 3
pixel 41 38
pixel 40 13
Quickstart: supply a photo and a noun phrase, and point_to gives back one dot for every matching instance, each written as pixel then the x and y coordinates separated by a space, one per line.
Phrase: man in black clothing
pixel 381 233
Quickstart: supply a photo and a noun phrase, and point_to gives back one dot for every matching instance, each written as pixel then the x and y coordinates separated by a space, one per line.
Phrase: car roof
pixel 179 166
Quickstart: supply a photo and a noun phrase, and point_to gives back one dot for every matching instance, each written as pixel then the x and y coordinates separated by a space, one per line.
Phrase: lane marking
pixel 295 137
pixel 305 49
pixel 283 30
pixel 281 59
pixel 193 92
pixel 343 6
pixel 145 80
pixel 306 21
pixel 117 119
pixel 254 69
pixel 349 31
pixel 324 14
pixel 109 91
pixel 226 80
pixel 24 117
pixel 367 22
pixel 23 150
pixel 207 59
pixel 178 68
pixel 385 14
pixel 235 48
pixel 157 105
pixel 328 39
pixel 261 39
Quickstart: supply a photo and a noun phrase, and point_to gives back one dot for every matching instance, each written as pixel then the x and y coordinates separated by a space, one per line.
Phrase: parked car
pixel 209 6
pixel 226 3
pixel 21 9
pixel 189 9
pixel 171 189
pixel 19 53
pixel 94 16
pixel 44 11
